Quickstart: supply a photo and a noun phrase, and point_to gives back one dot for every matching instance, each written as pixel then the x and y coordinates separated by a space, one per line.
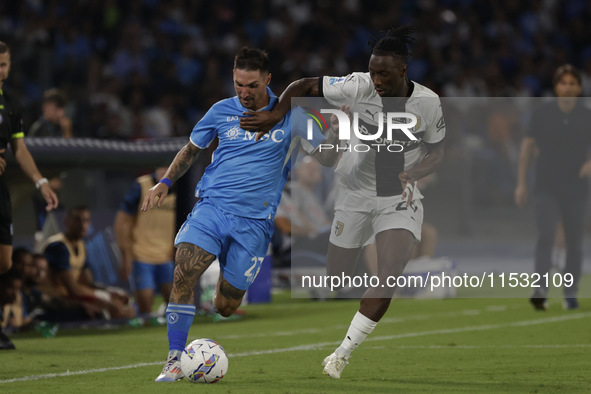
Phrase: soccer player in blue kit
pixel 239 194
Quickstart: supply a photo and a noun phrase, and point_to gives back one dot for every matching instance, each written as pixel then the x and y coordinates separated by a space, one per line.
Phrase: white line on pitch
pixel 450 347
pixel 523 323
pixel 390 320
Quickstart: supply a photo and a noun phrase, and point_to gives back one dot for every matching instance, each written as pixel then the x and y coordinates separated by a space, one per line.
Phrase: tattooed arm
pixel 181 163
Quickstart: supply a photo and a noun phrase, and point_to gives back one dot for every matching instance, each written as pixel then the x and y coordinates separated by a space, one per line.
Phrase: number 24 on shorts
pixel 402 206
pixel 254 269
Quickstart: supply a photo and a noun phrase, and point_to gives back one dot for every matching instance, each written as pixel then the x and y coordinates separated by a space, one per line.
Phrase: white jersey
pixel 375 172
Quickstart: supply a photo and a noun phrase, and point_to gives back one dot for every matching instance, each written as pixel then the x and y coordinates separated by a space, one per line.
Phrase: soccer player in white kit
pixel 378 197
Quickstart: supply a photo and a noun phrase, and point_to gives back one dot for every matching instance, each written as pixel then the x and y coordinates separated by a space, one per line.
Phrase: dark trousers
pixel 549 210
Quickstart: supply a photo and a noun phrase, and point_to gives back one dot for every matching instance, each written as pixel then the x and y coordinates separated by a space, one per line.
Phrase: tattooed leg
pixel 227 298
pixel 190 263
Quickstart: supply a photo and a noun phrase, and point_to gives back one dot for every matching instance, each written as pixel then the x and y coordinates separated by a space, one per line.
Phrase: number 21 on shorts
pixel 254 269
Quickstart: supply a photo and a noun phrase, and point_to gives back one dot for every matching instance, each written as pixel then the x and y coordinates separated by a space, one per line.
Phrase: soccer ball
pixel 204 361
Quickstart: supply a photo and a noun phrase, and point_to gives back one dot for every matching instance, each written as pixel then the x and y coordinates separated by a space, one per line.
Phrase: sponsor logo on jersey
pixel 233 133
pixel 334 80
pixel 276 136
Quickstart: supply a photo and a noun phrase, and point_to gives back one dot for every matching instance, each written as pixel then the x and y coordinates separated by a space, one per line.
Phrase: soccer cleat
pixel 171 371
pixel 570 303
pixel 334 365
pixel 5 342
pixel 539 304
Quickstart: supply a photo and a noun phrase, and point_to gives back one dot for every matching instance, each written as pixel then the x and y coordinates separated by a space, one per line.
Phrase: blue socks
pixel 179 318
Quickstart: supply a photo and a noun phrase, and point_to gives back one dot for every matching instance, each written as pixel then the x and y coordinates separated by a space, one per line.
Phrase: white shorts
pixel 359 218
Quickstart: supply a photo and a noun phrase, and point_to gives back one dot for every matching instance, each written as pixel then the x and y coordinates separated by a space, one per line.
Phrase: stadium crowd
pixel 146 68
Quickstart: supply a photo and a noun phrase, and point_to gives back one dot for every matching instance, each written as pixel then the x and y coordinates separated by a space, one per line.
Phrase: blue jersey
pixel 246 177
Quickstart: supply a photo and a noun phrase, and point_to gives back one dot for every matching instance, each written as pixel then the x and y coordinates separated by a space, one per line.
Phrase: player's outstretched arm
pixel 427 166
pixel 263 121
pixel 181 163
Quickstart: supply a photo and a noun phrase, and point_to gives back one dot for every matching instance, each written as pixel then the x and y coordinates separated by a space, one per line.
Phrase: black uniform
pixel 11 126
pixel 563 140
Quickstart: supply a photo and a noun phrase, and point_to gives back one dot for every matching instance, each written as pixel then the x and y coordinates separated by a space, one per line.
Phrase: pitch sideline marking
pixel 523 323
pixel 389 320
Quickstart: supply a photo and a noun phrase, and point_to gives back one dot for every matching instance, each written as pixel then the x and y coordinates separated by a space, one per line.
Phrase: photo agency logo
pixel 393 134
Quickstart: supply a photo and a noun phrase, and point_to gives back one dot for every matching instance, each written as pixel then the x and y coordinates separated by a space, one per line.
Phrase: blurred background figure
pixel 70 278
pixel 559 131
pixel 53 122
pixel 146 242
pixel 301 214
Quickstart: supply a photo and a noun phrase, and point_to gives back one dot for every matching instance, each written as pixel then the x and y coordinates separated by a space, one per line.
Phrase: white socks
pixel 359 329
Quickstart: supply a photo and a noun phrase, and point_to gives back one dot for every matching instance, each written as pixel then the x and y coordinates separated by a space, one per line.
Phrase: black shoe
pixel 5 342
pixel 570 303
pixel 540 304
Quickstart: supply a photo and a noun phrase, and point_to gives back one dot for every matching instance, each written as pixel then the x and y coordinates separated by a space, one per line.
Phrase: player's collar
pixel 272 100
pixel 411 87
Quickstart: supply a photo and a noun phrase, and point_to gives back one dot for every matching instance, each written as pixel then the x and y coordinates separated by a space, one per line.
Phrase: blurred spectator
pixel 497 41
pixel 301 214
pixel 12 310
pixel 145 240
pixel 69 276
pixel 53 122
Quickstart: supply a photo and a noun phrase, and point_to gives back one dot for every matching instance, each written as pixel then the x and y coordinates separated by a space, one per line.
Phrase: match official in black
pixel 11 132
pixel 560 131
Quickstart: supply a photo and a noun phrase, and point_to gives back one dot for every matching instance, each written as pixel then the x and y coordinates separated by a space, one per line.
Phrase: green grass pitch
pixel 440 346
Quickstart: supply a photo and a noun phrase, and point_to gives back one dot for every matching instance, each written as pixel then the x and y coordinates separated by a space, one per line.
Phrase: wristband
pixel 166 181
pixel 102 295
pixel 41 182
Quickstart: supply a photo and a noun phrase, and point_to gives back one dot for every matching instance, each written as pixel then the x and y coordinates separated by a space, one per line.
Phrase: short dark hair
pixel 78 208
pixel 252 59
pixel 4 47
pixel 56 96
pixel 393 43
pixel 18 254
pixel 566 69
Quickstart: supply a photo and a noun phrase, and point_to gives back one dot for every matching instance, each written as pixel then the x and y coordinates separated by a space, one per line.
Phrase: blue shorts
pixel 152 276
pixel 239 243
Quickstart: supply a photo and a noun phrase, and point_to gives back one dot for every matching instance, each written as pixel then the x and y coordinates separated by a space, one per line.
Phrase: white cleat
pixel 334 365
pixel 171 371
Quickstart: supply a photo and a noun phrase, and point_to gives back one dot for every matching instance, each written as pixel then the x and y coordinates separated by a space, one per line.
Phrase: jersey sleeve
pixel 131 201
pixel 16 123
pixel 299 129
pixel 205 130
pixel 339 90
pixel 435 126
pixel 58 256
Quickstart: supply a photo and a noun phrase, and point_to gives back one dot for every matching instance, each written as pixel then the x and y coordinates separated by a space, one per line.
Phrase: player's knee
pixel 224 308
pixel 227 311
